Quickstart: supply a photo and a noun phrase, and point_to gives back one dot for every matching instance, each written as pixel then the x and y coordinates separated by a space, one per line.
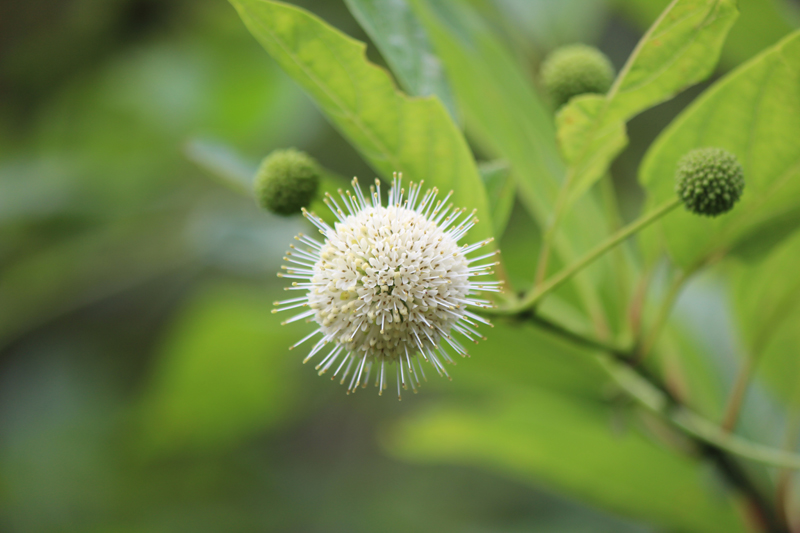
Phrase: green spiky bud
pixel 576 69
pixel 286 181
pixel 709 181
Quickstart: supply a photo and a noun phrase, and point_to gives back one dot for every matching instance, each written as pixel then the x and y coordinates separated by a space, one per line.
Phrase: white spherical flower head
pixel 388 285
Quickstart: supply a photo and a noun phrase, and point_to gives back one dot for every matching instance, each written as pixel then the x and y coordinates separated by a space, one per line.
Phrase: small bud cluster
pixel 709 181
pixel 286 181
pixel 576 69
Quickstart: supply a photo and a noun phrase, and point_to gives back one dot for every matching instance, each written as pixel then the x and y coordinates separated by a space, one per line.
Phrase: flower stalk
pixel 551 284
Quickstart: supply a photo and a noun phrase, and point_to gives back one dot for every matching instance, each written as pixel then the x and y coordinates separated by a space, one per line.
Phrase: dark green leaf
pixel 402 40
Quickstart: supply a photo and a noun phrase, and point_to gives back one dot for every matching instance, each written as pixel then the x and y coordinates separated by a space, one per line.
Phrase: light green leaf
pixel 680 49
pixel 754 112
pixel 392 131
pixel 589 142
pixel 571 445
pixel 404 44
pixel 767 298
pixel 222 374
pixel 762 24
pixel 501 191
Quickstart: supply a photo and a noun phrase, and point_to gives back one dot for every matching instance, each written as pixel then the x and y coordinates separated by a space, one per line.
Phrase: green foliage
pixel 506 118
pixel 752 112
pixel 395 133
pixel 763 23
pixel 546 25
pixel 286 181
pixel 574 446
pixel 509 119
pixel 220 375
pixel 68 275
pixel 501 108
pixel 147 387
pixel 767 304
pixel 576 69
pixel 402 40
pixel 680 49
pixel 501 191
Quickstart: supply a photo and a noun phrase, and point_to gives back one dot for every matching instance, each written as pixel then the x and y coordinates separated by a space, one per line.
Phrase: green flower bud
pixel 576 69
pixel 286 181
pixel 709 181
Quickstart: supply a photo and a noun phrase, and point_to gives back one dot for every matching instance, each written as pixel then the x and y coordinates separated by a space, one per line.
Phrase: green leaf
pixel 508 119
pixel 570 445
pixel 680 49
pixel 534 358
pixel 392 131
pixel 501 192
pixel 589 141
pixel 754 112
pixel 395 30
pixel 222 374
pixel 767 305
pixel 763 23
pixel 502 110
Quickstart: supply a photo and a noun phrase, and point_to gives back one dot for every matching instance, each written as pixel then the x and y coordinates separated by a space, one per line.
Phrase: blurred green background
pixel 144 384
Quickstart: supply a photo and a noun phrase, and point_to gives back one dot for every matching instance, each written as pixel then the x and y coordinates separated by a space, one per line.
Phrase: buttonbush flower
pixel 388 285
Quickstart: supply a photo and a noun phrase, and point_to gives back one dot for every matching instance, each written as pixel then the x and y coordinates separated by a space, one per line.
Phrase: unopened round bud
pixel 709 181
pixel 576 69
pixel 286 181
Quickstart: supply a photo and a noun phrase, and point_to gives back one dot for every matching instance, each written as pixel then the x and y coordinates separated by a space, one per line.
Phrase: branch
pixel 712 442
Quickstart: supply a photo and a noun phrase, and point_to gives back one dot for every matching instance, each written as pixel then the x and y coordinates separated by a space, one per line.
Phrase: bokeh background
pixel 144 383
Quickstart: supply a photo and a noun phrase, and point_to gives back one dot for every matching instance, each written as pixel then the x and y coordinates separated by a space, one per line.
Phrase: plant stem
pixel 575 337
pixel 711 441
pixel 530 300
